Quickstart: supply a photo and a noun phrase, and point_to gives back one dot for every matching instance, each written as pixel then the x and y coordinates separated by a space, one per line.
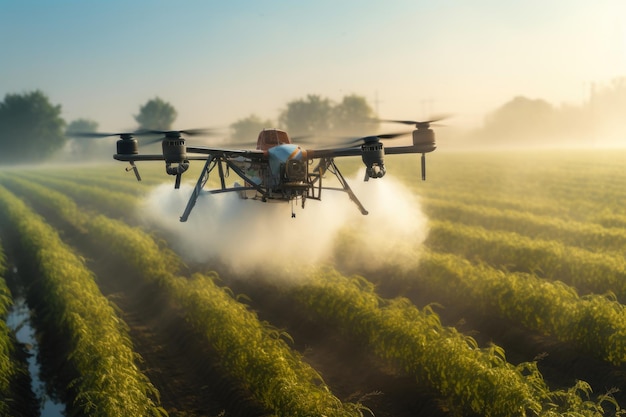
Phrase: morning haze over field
pixel 527 73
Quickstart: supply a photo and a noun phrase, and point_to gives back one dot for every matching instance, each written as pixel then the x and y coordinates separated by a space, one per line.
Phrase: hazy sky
pixel 220 61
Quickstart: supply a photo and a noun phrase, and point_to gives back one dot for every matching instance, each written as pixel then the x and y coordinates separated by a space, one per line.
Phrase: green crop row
pixel 117 174
pixel 587 187
pixel 275 374
pixel 544 204
pixel 7 368
pixel 595 323
pixel 588 272
pixel 105 379
pixel 100 171
pixel 213 311
pixel 569 232
pixel 15 392
pixel 552 200
pixel 118 204
pixel 539 207
pixel 251 351
pixel 476 379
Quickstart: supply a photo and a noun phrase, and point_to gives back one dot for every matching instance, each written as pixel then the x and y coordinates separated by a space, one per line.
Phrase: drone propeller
pixel 375 138
pixel 177 133
pixel 418 124
pixel 127 145
pixel 423 136
pixel 97 135
pixel 174 134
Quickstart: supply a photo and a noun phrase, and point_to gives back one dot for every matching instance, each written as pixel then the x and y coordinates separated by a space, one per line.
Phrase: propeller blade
pixel 177 133
pixel 200 132
pixel 302 138
pixel 151 141
pixel 404 122
pixel 97 135
pixel 418 124
pixel 375 138
pixel 173 134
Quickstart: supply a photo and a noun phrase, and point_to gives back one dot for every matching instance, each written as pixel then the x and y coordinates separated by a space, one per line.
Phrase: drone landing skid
pixel 264 194
pixel 332 167
pixel 212 162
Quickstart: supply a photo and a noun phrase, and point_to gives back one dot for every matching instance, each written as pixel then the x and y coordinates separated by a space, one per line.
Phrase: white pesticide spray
pixel 248 235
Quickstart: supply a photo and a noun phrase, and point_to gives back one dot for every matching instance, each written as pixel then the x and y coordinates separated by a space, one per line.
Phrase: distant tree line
pixel 312 116
pixel 524 121
pixel 32 129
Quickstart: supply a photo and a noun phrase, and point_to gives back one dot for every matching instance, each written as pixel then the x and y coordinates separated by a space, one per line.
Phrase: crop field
pixel 495 288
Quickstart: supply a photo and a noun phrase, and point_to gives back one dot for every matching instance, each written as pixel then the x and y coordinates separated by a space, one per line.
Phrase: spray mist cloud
pixel 245 235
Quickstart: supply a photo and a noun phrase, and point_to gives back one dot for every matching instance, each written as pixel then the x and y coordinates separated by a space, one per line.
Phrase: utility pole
pixel 376 104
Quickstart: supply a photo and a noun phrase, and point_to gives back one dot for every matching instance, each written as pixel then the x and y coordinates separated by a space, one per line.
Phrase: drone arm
pixel 228 153
pixel 423 149
pixel 204 177
pixel 396 150
pixel 134 157
pixel 358 151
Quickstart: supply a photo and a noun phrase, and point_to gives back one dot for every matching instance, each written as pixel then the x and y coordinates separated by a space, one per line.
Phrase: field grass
pixel 523 259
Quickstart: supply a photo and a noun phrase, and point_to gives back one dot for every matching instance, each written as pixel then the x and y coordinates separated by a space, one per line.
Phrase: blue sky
pixel 220 61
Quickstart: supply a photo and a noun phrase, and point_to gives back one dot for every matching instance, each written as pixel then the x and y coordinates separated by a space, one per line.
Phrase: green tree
pixel 156 114
pixel 308 116
pixel 82 146
pixel 31 128
pixel 353 116
pixel 247 130
pixel 81 126
pixel 521 121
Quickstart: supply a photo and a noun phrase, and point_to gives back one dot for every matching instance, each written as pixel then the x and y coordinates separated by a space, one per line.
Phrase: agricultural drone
pixel 278 170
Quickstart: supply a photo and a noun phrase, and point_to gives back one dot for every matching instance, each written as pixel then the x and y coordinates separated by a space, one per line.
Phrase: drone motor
pixel 373 158
pixel 424 137
pixel 175 155
pixel 127 145
pixel 174 149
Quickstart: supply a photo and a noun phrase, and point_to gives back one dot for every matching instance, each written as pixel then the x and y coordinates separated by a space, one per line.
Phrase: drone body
pixel 277 170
